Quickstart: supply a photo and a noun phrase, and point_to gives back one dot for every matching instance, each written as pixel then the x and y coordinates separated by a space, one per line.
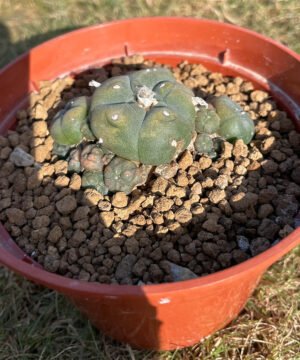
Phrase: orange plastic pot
pixel 171 315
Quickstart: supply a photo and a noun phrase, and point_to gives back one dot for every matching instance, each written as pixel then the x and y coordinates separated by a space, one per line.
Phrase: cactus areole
pixel 145 117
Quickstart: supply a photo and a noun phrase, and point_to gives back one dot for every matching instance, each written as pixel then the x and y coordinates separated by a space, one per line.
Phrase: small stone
pixel 259 96
pixel 210 249
pixel 55 234
pixel 207 183
pixel 124 268
pixel 81 213
pixel 138 220
pixel 156 254
pixel 296 175
pixel 268 145
pixel 75 182
pixel 268 229
pixel 240 170
pixel 173 255
pixel 39 128
pixel 269 166
pixel 104 205
pixel 107 218
pixel 61 167
pixel 221 181
pixel 159 186
pixel 77 238
pixel 157 218
pixel 61 181
pixel 185 160
pixel 286 206
pixel 5 153
pixel 39 112
pixel 66 205
pixel 255 154
pixel 287 230
pixel 51 263
pixel 21 158
pixel 183 215
pixel 115 250
pixel 243 242
pixel 120 200
pixel 239 256
pixel 140 267
pixel 264 211
pixel 180 273
pixel 196 188
pixel 41 153
pixel 40 222
pixel 34 181
pixel 278 155
pixel 216 195
pixel 46 170
pixel 167 171
pixel 5 203
pixel 163 204
pixel 259 245
pixel 91 197
pixel 182 179
pixel 176 191
pixel 240 149
pixel 241 201
pixel 204 162
pixel 16 216
pixel 132 245
pixel 226 150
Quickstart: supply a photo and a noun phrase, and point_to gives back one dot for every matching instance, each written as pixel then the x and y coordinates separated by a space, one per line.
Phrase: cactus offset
pixel 94 180
pixel 68 122
pixel 235 123
pixel 124 175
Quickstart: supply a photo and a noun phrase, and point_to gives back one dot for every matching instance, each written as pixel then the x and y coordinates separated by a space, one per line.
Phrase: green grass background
pixel 36 323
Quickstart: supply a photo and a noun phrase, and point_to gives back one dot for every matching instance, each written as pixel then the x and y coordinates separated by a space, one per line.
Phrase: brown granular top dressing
pixel 208 216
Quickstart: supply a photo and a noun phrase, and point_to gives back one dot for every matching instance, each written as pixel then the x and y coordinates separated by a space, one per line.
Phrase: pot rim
pixel 65 285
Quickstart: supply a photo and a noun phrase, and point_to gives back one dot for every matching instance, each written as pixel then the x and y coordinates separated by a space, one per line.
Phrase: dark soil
pixel 206 216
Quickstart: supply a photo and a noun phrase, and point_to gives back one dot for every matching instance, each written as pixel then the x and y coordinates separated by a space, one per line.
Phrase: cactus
pixel 124 175
pixel 135 121
pixel 67 123
pixel 94 180
pixel 145 116
pixel 207 120
pixel 204 145
pixel 235 123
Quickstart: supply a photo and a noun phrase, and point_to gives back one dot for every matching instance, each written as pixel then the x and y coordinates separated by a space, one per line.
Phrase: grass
pixel 36 323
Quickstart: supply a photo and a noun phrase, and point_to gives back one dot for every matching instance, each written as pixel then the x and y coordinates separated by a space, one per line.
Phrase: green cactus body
pixel 204 145
pixel 60 150
pixel 207 120
pixel 149 78
pixel 146 117
pixel 94 180
pixel 235 123
pixel 124 175
pixel 67 123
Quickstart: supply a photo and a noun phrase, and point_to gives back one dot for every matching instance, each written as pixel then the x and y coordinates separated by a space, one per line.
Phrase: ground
pixel 36 323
